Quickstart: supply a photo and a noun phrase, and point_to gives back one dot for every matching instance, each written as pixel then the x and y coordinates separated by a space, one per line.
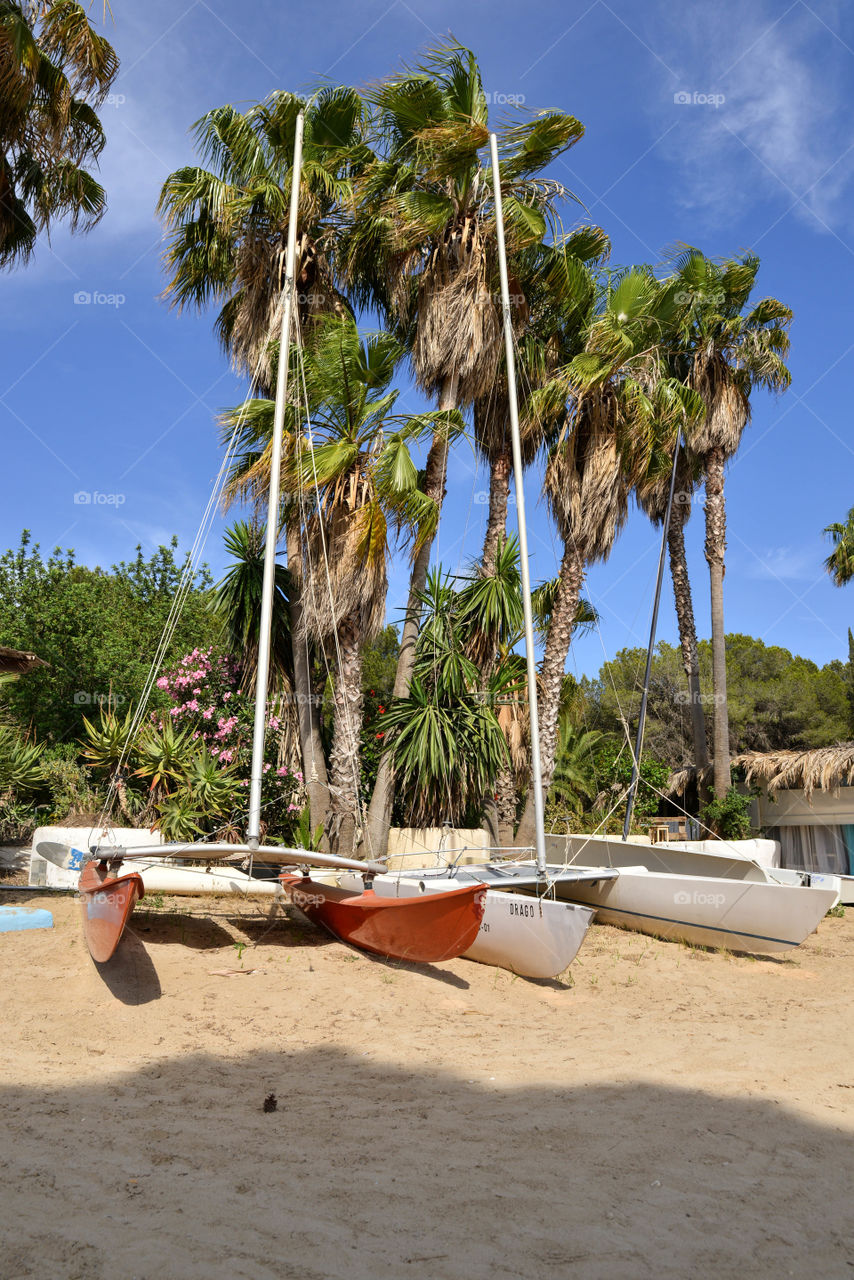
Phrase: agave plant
pixel 20 764
pixel 163 755
pixel 105 747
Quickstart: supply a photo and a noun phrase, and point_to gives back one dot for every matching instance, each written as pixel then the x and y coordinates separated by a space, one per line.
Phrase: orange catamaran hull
pixel 427 929
pixel 107 900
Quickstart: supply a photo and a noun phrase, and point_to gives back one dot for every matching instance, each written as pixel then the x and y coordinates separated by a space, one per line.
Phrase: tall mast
pixel 536 766
pixel 665 529
pixel 253 830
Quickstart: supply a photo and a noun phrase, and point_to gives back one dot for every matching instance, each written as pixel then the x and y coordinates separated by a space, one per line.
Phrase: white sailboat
pixel 700 898
pixel 531 934
pixel 433 927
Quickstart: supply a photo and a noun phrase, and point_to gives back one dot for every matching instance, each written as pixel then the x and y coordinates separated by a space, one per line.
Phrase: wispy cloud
pixel 785 564
pixel 774 131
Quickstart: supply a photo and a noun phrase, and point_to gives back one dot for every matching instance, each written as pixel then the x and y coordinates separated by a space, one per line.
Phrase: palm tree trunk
pixel 715 551
pixel 308 716
pixel 505 803
pixel 496 524
pixel 435 475
pixel 497 802
pixel 687 630
pixel 344 753
pixel 552 669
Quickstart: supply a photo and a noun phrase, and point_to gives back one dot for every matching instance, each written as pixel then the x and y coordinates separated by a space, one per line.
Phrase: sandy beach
pixel 658 1112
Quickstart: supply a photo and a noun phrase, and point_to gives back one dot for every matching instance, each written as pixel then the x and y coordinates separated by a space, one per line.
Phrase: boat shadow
pixel 198 932
pixel 130 974
pixel 280 928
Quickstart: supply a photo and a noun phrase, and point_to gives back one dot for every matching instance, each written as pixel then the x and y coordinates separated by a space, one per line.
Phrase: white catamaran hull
pixel 158 877
pixel 535 938
pixel 740 915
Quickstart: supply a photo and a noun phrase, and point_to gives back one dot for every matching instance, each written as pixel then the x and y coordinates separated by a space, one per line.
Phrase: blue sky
pixel 725 126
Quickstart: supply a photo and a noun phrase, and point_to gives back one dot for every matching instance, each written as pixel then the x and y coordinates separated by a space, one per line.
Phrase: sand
pixel 658 1112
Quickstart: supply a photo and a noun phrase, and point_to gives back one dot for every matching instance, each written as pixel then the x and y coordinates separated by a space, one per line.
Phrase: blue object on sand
pixel 13 919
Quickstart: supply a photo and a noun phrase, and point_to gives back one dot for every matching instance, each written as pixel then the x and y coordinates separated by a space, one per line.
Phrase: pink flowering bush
pixel 202 695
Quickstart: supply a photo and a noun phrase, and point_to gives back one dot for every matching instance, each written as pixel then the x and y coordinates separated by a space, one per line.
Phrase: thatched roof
pixel 17 661
pixel 823 768
pixel 681 779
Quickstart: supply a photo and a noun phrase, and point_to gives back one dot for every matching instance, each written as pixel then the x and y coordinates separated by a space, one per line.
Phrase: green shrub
pixel 729 818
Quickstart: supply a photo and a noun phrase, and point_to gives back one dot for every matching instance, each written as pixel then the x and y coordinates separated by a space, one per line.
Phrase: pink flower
pixel 292 808
pixel 173 711
pixel 206 715
pixel 163 682
pixel 225 697
pixel 282 773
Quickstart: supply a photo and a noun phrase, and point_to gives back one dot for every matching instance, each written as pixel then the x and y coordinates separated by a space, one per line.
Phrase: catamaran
pixel 531 933
pixel 431 927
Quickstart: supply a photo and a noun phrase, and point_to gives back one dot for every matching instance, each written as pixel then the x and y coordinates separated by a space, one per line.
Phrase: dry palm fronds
pixel 728 407
pixel 585 482
pixel 681 779
pixel 459 325
pixel 821 768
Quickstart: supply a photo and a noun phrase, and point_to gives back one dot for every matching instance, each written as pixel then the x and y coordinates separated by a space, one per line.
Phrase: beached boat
pixel 427 929
pixel 535 938
pixel 532 937
pixel 704 899
pixel 107 898
pixel 436 925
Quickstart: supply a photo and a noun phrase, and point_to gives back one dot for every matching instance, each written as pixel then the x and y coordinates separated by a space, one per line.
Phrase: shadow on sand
pixel 370 1170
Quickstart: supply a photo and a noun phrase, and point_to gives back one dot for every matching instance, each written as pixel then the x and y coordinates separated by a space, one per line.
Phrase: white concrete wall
pixel 43 872
pixel 435 846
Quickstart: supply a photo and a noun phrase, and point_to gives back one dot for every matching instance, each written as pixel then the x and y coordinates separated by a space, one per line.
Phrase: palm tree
pixel 573 780
pixel 555 285
pixel 652 494
pixel 228 223
pixel 54 70
pixel 840 563
pixel 351 478
pixel 237 603
pixel 601 447
pixel 729 349
pixel 423 249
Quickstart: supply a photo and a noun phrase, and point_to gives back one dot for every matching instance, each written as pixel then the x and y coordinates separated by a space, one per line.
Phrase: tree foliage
pixel 776 699
pixel 98 629
pixel 55 69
